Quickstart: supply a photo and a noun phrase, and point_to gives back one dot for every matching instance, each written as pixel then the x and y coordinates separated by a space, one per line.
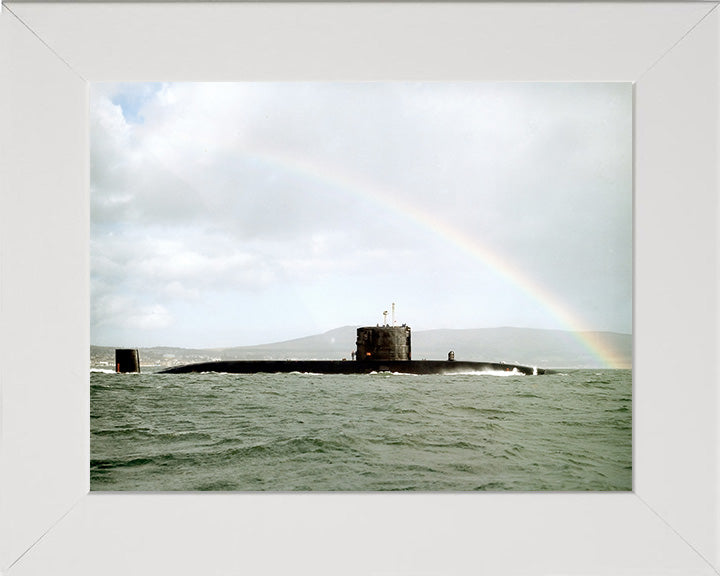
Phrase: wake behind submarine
pixel 385 348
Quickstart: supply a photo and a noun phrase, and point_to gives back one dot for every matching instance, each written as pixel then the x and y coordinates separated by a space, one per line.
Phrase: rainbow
pixel 499 263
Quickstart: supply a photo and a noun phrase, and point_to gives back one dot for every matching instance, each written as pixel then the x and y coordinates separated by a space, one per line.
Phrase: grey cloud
pixel 251 185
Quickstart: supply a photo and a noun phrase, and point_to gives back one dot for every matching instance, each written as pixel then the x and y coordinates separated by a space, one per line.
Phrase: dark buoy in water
pixel 127 360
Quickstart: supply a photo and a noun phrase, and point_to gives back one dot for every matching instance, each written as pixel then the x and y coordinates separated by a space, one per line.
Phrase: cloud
pixel 240 189
pixel 150 318
pixel 125 315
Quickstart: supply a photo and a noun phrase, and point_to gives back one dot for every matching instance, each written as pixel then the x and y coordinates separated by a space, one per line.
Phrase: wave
pixel 113 463
pixel 282 448
pixel 285 432
pixel 483 410
pixel 224 453
pixel 504 373
pixel 152 435
pixel 492 487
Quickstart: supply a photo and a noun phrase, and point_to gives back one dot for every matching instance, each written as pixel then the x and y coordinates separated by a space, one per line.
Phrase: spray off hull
pixel 353 367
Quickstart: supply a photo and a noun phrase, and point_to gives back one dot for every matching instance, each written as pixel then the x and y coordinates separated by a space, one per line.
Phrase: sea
pixel 569 431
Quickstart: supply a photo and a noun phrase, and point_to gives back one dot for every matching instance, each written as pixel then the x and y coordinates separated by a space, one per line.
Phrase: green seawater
pixel 306 432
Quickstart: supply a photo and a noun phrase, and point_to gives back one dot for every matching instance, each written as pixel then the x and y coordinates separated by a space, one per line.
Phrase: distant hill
pixel 547 348
pixel 534 347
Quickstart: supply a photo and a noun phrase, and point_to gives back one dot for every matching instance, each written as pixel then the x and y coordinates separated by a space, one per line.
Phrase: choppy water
pixel 569 431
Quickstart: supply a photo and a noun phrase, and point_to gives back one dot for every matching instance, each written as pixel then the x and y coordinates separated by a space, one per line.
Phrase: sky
pixel 238 214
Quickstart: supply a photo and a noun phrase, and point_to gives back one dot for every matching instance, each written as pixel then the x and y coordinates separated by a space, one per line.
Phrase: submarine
pixel 381 348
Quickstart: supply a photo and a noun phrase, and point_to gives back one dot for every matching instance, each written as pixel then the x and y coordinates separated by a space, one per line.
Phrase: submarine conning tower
pixel 383 343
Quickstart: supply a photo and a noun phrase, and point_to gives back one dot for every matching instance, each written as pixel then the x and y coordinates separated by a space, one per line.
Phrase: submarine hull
pixel 352 367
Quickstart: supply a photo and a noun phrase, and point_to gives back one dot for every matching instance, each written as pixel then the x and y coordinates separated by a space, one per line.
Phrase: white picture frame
pixel 50 523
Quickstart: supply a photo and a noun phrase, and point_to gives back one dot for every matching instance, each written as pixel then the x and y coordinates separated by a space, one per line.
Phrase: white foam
pixel 513 372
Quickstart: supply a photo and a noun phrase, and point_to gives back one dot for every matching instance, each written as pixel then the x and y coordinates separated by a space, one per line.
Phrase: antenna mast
pixel 393 313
